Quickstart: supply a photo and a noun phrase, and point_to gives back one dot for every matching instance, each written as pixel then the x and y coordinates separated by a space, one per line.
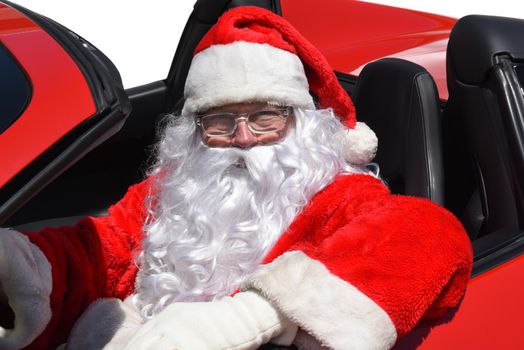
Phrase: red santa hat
pixel 254 55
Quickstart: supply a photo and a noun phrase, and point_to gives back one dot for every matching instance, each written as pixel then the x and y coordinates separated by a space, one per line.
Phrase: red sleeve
pixel 371 263
pixel 92 259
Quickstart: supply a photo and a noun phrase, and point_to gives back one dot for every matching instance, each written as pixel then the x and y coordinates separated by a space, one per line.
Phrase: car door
pixel 62 97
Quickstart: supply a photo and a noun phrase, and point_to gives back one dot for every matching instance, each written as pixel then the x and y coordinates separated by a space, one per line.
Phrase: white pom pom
pixel 360 144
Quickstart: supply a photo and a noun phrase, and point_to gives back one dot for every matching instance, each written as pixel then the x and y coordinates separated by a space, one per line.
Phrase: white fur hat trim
pixel 359 144
pixel 245 72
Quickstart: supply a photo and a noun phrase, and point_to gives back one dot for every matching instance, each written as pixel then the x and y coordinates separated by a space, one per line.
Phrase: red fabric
pixel 93 259
pixel 257 25
pixel 408 255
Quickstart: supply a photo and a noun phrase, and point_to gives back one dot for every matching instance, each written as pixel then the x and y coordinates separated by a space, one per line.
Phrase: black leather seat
pixel 486 113
pixel 399 101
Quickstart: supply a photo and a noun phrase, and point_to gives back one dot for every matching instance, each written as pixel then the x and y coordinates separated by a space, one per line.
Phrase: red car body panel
pixel 353 33
pixel 61 98
pixel 490 316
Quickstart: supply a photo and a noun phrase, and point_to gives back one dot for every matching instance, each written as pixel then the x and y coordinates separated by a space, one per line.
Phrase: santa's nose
pixel 243 137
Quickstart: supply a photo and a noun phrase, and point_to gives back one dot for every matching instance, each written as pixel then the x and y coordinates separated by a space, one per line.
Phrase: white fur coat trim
pixel 336 313
pixel 25 278
pixel 245 72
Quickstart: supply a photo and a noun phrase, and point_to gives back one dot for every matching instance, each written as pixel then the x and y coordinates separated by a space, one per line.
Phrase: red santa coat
pixel 357 266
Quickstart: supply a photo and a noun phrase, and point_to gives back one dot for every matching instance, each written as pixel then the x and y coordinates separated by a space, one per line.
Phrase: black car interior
pixel 485 115
pixel 466 153
pixel 399 101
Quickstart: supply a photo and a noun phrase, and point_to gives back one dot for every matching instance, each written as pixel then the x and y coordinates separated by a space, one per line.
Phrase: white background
pixel 141 37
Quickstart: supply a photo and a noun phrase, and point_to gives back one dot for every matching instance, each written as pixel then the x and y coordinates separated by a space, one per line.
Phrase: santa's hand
pixel 244 321
pixel 25 281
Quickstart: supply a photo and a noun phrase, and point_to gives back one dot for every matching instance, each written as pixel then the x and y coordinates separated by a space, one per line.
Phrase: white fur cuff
pixel 25 277
pixel 336 313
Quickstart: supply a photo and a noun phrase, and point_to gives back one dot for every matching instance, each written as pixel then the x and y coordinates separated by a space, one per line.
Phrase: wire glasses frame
pixel 225 124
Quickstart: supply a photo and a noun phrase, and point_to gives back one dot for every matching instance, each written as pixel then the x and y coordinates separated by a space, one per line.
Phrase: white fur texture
pixel 360 144
pixel 245 72
pixel 349 319
pixel 107 324
pixel 217 212
pixel 242 322
pixel 25 278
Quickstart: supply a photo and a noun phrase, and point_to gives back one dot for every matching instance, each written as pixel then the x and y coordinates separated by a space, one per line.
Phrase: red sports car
pixel 445 98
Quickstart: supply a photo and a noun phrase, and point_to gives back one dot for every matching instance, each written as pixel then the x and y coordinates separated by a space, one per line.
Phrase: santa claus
pixel 258 223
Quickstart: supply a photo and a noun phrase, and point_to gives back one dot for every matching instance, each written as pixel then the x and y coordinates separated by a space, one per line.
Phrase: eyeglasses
pixel 259 122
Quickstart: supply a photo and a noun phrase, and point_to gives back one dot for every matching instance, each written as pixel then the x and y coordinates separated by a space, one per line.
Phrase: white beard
pixel 218 211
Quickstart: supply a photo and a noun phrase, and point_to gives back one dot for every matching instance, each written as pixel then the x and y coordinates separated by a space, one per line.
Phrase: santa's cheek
pixel 268 139
pixel 217 141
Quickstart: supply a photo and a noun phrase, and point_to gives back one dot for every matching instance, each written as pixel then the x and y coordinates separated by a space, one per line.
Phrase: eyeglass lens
pixel 259 122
